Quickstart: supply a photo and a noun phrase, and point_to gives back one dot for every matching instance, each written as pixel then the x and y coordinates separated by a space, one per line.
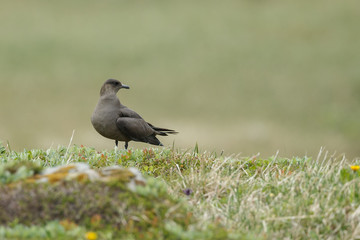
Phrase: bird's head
pixel 112 86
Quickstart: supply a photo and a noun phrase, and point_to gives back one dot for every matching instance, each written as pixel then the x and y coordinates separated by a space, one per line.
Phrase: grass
pixel 237 76
pixel 229 197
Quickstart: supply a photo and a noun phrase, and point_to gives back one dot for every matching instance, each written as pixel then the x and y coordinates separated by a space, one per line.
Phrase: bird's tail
pixel 163 131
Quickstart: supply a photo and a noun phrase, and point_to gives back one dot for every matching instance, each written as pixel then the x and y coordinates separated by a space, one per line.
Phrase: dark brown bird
pixel 115 121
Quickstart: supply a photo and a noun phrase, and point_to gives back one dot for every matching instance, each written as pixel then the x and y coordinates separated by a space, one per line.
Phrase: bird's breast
pixel 104 122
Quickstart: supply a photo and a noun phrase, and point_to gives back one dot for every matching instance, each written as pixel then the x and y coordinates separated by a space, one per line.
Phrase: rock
pixel 82 172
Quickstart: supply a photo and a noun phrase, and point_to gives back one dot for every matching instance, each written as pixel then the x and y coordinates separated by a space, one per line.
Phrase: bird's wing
pixel 126 112
pixel 135 129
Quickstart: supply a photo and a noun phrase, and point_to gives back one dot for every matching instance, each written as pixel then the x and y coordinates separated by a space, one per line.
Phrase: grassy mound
pixel 188 195
pixel 111 208
pixel 93 205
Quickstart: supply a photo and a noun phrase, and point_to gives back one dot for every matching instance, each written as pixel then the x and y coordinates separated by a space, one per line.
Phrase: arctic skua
pixel 115 121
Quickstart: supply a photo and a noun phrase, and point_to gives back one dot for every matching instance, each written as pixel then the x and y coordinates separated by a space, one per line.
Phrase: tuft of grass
pixel 276 198
pixel 227 197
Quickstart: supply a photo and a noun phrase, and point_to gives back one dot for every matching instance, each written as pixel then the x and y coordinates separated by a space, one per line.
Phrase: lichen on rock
pixel 82 172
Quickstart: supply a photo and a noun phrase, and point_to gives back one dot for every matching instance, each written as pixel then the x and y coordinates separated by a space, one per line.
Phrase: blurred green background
pixel 239 76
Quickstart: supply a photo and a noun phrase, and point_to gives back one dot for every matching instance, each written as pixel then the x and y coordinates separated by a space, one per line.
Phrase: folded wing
pixel 137 129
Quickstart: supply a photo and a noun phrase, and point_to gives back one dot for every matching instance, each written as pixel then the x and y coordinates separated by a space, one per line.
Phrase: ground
pixel 187 195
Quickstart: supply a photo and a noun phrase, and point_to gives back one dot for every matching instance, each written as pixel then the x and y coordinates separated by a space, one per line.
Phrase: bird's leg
pixel 116 145
pixel 126 145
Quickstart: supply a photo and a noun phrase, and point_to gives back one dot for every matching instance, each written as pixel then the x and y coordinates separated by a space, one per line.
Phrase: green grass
pixel 231 197
pixel 240 76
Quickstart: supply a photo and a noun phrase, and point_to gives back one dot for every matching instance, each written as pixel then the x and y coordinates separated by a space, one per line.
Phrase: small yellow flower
pixel 91 236
pixel 355 167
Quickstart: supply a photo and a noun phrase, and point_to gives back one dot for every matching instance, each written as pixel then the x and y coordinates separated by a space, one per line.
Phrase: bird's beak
pixel 125 86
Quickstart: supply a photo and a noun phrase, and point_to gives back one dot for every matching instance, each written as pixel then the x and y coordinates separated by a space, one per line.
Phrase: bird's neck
pixel 110 98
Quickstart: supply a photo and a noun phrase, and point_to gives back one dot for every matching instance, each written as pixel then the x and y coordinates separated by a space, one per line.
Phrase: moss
pixel 14 171
pixel 114 206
